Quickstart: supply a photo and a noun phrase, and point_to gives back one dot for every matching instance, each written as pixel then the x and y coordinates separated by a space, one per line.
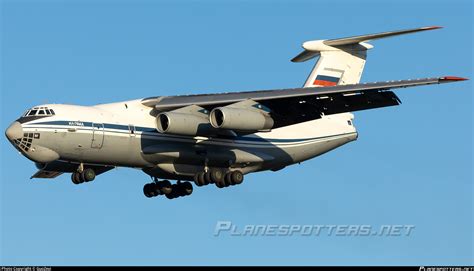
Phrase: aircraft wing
pixel 295 105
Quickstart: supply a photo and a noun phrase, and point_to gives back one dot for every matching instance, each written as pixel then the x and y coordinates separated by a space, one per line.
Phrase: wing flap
pixel 290 111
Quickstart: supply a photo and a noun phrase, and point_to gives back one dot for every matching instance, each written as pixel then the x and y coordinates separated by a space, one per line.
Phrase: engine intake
pixel 240 119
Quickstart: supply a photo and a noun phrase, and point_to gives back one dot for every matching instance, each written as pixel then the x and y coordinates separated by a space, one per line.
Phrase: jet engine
pixel 248 119
pixel 182 123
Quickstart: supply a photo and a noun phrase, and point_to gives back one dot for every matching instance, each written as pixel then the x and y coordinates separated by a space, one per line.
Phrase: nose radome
pixel 14 131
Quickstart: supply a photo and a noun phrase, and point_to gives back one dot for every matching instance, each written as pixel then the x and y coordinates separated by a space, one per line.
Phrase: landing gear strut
pixel 87 175
pixel 157 188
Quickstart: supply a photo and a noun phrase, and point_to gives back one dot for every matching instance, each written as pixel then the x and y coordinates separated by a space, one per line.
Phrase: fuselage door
pixel 97 135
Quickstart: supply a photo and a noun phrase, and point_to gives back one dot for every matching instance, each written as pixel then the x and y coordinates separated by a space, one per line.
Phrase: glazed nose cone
pixel 14 131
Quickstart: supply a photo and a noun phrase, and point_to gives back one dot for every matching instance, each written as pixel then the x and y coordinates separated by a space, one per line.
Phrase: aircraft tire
pixel 75 178
pixel 196 179
pixel 217 175
pixel 88 175
pixel 186 188
pixel 164 187
pixel 207 178
pixel 147 190
pixel 228 179
pixel 174 192
pixel 220 184
pixel 237 177
pixel 202 178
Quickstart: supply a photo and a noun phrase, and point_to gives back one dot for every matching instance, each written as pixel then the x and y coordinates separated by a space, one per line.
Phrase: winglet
pixel 447 79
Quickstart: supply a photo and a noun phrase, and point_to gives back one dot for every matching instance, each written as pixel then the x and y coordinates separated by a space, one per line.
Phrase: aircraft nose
pixel 14 131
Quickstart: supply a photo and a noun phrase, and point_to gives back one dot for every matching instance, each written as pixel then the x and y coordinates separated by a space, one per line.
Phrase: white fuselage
pixel 124 134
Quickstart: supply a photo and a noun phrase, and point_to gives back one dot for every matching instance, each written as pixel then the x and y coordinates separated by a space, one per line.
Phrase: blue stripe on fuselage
pixel 156 133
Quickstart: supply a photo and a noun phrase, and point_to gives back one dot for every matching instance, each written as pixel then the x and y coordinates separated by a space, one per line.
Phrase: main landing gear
pixel 219 177
pixel 87 175
pixel 170 191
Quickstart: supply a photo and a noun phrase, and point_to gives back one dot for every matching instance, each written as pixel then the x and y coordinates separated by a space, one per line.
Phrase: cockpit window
pixel 39 111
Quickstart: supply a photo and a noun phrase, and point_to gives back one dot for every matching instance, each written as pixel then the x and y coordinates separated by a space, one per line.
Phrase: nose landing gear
pixel 87 175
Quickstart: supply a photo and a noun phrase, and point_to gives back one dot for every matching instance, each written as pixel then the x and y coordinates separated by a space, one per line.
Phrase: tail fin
pixel 341 61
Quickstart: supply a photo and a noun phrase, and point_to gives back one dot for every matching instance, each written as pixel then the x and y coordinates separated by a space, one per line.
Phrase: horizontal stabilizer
pixel 314 47
pixel 363 38
pixel 305 55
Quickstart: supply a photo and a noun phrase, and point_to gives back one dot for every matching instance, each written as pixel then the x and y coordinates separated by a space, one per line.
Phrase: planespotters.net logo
pixel 439 268
pixel 231 229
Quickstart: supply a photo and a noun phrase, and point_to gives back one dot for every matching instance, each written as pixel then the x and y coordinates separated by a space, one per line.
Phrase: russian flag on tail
pixel 326 81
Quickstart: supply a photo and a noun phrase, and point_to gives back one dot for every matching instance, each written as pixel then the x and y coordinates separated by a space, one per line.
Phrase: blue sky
pixel 412 164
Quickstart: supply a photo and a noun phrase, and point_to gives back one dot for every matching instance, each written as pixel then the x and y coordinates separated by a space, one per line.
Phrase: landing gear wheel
pixel 207 178
pixel 228 179
pixel 88 175
pixel 180 190
pixel 202 178
pixel 220 184
pixel 217 175
pixel 154 189
pixel 186 188
pixel 79 177
pixel 164 187
pixel 75 178
pixel 196 179
pixel 174 192
pixel 237 177
pixel 147 190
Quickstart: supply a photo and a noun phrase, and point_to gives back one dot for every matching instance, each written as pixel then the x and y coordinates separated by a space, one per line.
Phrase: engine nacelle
pixel 182 124
pixel 240 119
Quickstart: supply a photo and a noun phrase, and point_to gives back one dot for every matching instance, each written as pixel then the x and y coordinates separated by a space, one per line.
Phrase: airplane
pixel 213 138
